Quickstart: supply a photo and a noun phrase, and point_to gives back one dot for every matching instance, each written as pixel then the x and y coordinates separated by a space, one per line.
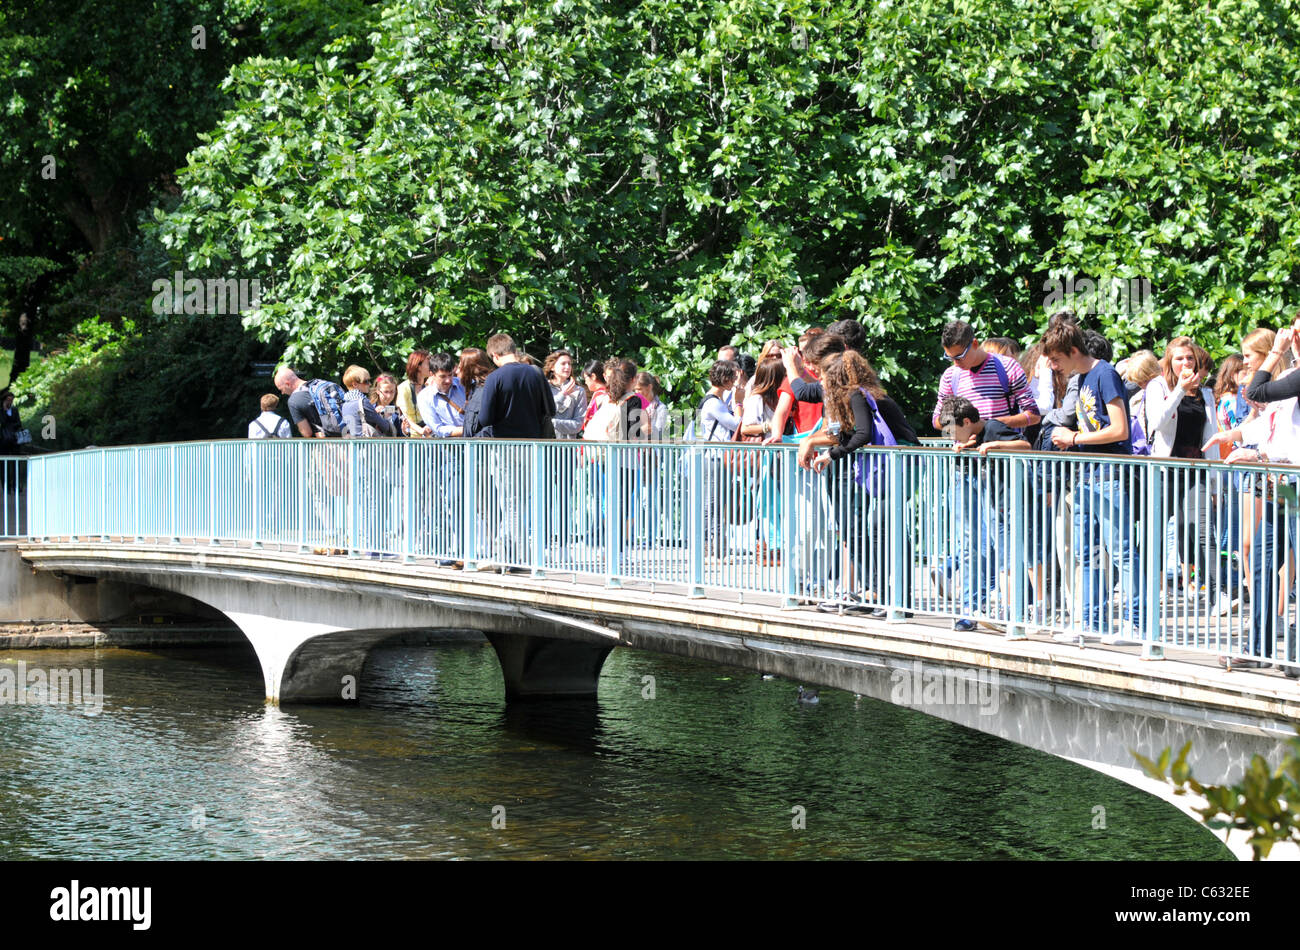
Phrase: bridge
pixel 558 552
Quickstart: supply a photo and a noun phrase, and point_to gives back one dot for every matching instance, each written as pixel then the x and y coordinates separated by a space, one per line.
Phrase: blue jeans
pixel 1102 516
pixel 984 547
pixel 1266 626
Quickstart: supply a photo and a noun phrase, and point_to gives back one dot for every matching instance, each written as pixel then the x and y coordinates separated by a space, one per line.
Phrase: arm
pixel 945 390
pixel 1008 445
pixel 806 391
pixel 1044 392
pixel 1263 388
pixel 1115 431
pixel 1021 398
pixel 1161 405
pixel 864 428
pixel 1065 415
pixel 784 404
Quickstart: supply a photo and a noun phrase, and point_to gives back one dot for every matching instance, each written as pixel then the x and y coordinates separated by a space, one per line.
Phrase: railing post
pixel 212 493
pixel 352 528
pixel 257 491
pixel 304 483
pixel 469 536
pixel 695 519
pixel 136 456
pixel 895 531
pixel 1017 570
pixel 537 509
pixel 1153 562
pixel 103 495
pixel 789 459
pixel 407 490
pixel 613 517
pixel 176 538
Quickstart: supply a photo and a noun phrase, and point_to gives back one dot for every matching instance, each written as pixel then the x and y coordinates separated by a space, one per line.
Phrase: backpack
pixel 869 470
pixel 1004 382
pixel 327 397
pixel 1136 431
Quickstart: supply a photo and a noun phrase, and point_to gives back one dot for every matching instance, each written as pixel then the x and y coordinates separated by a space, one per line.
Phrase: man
pixel 270 424
pixel 302 407
pixel 442 403
pixel 516 404
pixel 517 401
pixel 1102 509
pixel 995 384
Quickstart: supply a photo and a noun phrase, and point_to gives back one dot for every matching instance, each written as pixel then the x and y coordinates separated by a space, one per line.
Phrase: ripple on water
pixel 186 761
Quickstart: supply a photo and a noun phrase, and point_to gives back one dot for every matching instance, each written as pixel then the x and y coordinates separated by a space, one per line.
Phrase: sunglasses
pixel 961 355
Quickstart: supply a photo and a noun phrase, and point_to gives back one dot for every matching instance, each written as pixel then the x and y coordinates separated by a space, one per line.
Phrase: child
pixel 983 514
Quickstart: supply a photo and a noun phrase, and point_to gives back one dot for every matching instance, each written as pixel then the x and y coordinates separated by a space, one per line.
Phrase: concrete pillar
pixel 308 662
pixel 544 667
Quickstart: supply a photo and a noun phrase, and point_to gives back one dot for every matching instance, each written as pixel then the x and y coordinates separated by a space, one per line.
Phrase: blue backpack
pixel 328 397
pixel 1136 432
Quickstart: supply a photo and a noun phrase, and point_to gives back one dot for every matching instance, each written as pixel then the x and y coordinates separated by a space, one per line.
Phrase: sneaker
pixel 1224 604
pixel 830 606
pixel 963 625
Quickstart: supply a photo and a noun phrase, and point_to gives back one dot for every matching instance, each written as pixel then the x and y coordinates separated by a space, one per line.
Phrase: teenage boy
pixel 1102 507
pixel 984 522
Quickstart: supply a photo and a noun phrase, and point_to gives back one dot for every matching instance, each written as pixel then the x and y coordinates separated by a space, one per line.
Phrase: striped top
pixel 983 387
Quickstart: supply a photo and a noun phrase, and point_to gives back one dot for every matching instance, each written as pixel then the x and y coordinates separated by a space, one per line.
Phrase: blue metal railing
pixel 1070 544
pixel 13 497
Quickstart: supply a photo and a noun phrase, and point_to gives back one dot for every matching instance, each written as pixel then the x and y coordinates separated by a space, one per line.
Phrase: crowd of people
pixel 1062 394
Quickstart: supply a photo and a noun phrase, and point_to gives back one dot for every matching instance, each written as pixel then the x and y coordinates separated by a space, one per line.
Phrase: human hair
pixel 385 378
pixel 595 368
pixel 1061 339
pixel 822 346
pixel 734 353
pixel 1097 346
pixel 1029 363
pixel 1003 346
pixel 1200 359
pixel 548 366
pixel 413 365
pixel 1260 342
pixel 808 335
pixel 474 367
pixel 956 333
pixel 1226 382
pixel 1142 368
pixel 269 401
pixel 843 374
pixel 618 382
pixel 354 376
pixel 500 344
pixel 746 364
pixel 954 410
pixel 722 374
pixel 853 333
pixel 768 379
pixel 649 381
pixel 442 363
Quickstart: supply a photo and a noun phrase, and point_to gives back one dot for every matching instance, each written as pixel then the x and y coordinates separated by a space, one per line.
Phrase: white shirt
pixel 1161 410
pixel 1276 431
pixel 276 424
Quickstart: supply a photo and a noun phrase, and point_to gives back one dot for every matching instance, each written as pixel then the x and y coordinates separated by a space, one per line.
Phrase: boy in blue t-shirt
pixel 1101 491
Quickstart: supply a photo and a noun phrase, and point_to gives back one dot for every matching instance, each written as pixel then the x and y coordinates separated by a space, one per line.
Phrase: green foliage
pixel 1265 803
pixel 662 177
pixel 112 384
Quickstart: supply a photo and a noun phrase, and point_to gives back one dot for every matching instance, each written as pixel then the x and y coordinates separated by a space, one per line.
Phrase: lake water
pixel 185 761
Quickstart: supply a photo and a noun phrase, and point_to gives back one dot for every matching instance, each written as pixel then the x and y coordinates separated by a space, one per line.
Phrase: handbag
pixel 24 436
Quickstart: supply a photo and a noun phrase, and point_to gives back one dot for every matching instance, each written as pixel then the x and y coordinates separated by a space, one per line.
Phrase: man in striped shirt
pixel 995 384
pixel 1000 391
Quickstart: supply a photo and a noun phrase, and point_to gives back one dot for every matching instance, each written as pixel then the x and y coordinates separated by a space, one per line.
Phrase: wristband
pixel 1074 441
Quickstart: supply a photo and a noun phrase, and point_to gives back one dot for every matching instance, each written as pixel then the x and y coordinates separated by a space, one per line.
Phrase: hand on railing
pixel 1222 440
pixel 1242 455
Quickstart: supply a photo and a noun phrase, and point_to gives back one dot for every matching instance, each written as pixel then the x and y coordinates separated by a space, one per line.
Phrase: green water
pixel 185 761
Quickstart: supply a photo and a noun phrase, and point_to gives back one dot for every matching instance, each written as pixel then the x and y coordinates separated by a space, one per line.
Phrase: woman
pixel 1139 370
pixel 385 390
pixel 1230 393
pixel 570 397
pixel 474 368
pixel 760 409
pixel 417 375
pixel 1275 433
pixel 717 421
pixel 648 388
pixel 361 420
pixel 851 408
pixel 593 375
pixel 1180 419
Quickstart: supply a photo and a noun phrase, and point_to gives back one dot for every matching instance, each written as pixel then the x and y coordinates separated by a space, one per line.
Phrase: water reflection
pixel 186 761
